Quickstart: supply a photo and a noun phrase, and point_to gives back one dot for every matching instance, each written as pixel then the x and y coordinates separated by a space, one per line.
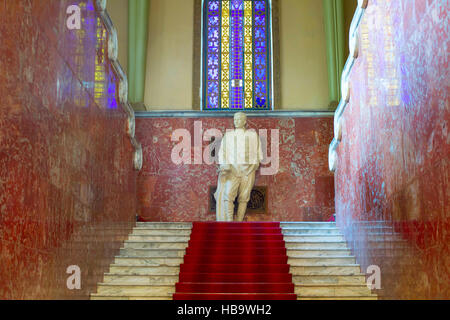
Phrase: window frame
pixel 270 61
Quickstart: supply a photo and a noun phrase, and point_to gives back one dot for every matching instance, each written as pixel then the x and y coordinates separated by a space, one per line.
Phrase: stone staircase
pixel 149 263
pixel 321 264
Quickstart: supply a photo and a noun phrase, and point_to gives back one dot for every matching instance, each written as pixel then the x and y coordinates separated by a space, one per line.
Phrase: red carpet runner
pixel 235 261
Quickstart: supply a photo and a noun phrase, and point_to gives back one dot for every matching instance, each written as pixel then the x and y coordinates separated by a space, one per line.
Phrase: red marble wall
pixel 392 177
pixel 302 190
pixel 67 185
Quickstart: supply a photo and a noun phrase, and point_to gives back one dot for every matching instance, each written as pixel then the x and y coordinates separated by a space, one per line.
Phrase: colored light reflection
pixel 90 62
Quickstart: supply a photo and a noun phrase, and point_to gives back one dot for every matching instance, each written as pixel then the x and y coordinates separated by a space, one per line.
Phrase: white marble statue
pixel 240 154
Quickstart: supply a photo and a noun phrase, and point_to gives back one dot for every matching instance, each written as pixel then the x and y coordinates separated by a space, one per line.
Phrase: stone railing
pixel 345 85
pixel 123 81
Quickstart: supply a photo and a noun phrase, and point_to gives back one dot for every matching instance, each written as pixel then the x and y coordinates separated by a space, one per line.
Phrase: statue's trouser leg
pixel 218 195
pixel 226 193
pixel 242 208
pixel 245 190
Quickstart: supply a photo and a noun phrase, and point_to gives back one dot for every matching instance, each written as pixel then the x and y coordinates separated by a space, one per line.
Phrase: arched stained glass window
pixel 236 55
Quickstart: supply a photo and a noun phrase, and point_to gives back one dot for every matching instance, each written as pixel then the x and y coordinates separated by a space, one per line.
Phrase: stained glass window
pixel 236 55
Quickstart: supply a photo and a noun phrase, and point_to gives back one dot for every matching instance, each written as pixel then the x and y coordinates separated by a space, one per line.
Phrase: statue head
pixel 240 120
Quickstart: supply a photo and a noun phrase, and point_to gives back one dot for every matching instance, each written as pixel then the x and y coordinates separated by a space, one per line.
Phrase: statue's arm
pixel 223 166
pixel 259 157
pixel 260 151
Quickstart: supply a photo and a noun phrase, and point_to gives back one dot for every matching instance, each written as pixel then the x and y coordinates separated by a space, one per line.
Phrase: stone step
pixel 385 240
pixel 383 228
pixel 325 270
pixel 373 222
pixel 161 232
pixel 316 252
pixel 140 279
pixel 319 245
pixel 135 290
pixel 165 225
pixel 321 261
pixel 155 245
pixel 154 253
pixel 144 270
pixel 313 238
pixel 147 261
pixel 104 233
pixel 380 235
pixel 119 227
pixel 88 239
pixel 329 279
pixel 333 290
pixel 148 266
pixel 398 245
pixel 118 297
pixel 167 238
pixel 314 231
pixel 309 224
pixel 377 254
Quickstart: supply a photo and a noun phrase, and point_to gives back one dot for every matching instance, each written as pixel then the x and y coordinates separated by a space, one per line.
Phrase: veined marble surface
pixel 301 190
pixel 392 177
pixel 68 186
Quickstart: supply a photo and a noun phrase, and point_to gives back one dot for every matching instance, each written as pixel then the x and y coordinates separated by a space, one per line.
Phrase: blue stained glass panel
pixel 261 58
pixel 237 53
pixel 234 70
pixel 213 50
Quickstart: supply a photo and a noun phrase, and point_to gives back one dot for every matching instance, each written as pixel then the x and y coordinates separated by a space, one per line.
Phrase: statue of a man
pixel 240 154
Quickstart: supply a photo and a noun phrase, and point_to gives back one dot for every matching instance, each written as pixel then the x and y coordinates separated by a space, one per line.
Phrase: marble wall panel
pixel 302 189
pixel 67 183
pixel 392 188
